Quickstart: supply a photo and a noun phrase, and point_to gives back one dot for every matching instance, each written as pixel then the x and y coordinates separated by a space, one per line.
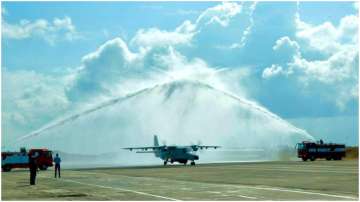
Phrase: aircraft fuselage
pixel 177 154
pixel 181 154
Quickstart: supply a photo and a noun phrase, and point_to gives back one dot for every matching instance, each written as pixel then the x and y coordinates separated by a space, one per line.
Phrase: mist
pixel 180 112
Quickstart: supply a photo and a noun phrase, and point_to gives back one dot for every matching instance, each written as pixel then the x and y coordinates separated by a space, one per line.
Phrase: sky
pixel 298 60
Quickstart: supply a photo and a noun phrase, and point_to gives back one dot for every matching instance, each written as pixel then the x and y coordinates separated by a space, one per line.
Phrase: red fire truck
pixel 311 150
pixel 10 160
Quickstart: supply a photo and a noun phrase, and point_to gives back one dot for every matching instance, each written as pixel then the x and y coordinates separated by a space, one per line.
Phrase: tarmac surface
pixel 292 180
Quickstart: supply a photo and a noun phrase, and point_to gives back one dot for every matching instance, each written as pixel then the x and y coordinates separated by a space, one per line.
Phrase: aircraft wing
pixel 144 148
pixel 196 147
pixel 207 147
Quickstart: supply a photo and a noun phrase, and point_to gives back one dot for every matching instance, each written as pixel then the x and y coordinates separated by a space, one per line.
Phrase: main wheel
pixel 192 163
pixel 337 158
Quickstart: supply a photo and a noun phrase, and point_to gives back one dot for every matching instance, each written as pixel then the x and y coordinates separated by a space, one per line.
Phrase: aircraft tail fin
pixel 156 144
pixel 156 141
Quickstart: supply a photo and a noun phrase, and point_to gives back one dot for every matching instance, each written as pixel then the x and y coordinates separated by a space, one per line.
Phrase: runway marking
pixel 292 170
pixel 239 195
pixel 214 192
pixel 249 197
pixel 323 167
pixel 302 166
pixel 256 187
pixel 127 190
pixel 294 191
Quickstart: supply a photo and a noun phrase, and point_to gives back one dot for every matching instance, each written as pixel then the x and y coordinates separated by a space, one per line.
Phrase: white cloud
pixel 127 71
pixel 326 37
pixel 348 29
pixel 287 43
pixel 114 44
pixel 345 94
pixel 220 14
pixel 337 71
pixel 156 37
pixel 247 30
pixel 287 48
pixel 155 58
pixel 53 31
pixel 338 74
pixel 340 43
pixel 272 71
pixel 337 68
pixel 102 69
pixel 30 100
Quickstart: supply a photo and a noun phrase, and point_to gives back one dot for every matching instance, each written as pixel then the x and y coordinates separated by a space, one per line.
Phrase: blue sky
pixel 298 60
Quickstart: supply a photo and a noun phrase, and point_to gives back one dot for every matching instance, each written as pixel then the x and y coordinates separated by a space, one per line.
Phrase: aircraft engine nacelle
pixel 194 147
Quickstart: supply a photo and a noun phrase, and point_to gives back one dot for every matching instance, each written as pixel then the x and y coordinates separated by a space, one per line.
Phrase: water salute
pixel 172 100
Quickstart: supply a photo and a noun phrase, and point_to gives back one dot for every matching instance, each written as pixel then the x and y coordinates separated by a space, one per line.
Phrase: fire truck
pixel 10 160
pixel 311 150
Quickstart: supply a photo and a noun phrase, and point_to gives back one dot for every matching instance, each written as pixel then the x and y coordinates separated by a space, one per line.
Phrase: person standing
pixel 33 167
pixel 57 161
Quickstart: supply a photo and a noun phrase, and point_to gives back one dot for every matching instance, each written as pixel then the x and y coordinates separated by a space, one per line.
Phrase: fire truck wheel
pixel 328 158
pixel 6 168
pixel 337 158
pixel 304 159
pixel 312 158
pixel 43 167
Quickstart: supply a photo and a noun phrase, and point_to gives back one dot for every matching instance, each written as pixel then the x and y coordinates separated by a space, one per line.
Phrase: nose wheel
pixel 192 163
pixel 165 162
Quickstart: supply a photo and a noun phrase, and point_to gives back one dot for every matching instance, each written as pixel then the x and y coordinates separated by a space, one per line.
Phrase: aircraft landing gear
pixel 192 163
pixel 165 162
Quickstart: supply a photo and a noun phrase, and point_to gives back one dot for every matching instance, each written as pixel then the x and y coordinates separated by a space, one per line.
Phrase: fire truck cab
pixel 311 150
pixel 10 160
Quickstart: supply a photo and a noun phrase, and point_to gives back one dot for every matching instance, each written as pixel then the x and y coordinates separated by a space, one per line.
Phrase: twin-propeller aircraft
pixel 181 154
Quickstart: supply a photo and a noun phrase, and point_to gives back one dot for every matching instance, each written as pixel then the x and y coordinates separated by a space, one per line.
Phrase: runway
pixel 293 180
